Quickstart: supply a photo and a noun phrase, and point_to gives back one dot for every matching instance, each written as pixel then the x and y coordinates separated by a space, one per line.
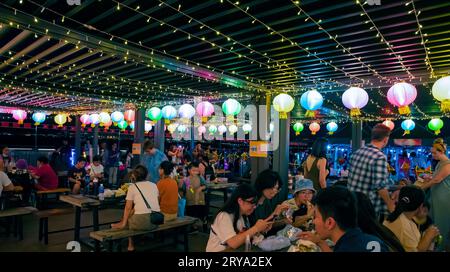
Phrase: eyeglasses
pixel 276 189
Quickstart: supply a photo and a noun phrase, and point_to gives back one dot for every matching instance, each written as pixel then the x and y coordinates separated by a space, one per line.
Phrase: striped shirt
pixel 368 173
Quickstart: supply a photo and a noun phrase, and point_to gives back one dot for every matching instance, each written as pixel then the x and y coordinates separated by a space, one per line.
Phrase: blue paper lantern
pixel 311 101
pixel 332 127
pixel 408 125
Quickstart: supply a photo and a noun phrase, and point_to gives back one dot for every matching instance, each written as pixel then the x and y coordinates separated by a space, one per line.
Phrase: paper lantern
pixel 85 120
pixel 168 113
pixel 233 129
pixel 147 126
pixel 355 99
pixel 435 125
pixel 60 119
pixel 122 125
pixel 172 127
pixel 441 91
pixel 389 124
pixel 154 114
pixel 201 130
pixel 95 119
pixel 19 115
pixel 182 129
pixel 222 129
pixel 311 101
pixel 298 127
pixel 129 116
pixel 186 111
pixel 116 117
pixel 107 124
pixel 104 118
pixel 401 95
pixel 132 125
pixel 212 129
pixel 332 127
pixel 314 127
pixel 407 126
pixel 205 110
pixel 231 107
pixel 247 128
pixel 283 103
pixel 38 118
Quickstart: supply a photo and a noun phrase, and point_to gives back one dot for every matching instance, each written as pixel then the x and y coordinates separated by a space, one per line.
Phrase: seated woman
pixel 303 210
pixel 401 223
pixel 21 177
pixel 168 192
pixel 268 186
pixel 369 224
pixel 136 215
pixel 231 225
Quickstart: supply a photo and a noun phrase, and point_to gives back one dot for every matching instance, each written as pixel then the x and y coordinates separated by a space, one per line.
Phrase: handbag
pixel 156 218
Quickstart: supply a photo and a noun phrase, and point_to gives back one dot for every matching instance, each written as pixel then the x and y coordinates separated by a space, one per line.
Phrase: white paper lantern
pixel 355 99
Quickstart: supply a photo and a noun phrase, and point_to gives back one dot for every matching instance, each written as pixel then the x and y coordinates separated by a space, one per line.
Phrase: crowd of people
pixel 358 213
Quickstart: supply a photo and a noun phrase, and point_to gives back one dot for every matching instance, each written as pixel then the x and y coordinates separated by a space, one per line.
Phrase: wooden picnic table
pixel 218 187
pixel 80 201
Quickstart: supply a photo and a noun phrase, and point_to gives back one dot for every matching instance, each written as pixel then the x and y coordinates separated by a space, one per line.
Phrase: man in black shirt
pixel 77 175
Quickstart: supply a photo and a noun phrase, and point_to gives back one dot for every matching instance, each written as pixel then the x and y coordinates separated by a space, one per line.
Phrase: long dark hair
pixel 368 223
pixel 243 191
pixel 319 148
pixel 409 199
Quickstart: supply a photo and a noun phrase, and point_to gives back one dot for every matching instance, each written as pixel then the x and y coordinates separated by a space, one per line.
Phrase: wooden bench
pixel 42 196
pixel 43 221
pixel 114 235
pixel 16 214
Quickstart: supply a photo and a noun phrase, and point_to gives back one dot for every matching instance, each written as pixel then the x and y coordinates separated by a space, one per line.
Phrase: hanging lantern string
pixel 382 38
pixel 227 37
pixel 284 38
pixel 334 38
pixel 423 40
pixel 138 44
pixel 108 78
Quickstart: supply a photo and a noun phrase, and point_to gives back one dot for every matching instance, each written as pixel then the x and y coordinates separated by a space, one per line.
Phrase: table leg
pixel 225 195
pixel 95 222
pixel 77 224
pixel 186 239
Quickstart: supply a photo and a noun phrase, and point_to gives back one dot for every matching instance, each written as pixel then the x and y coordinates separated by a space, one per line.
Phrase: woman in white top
pixel 231 225
pixel 136 215
pixel 411 198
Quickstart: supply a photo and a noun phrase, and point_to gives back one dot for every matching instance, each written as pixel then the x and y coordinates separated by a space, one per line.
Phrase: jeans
pixel 112 177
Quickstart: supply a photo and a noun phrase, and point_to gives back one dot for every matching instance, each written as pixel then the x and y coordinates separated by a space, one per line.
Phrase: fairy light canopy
pixel 69 59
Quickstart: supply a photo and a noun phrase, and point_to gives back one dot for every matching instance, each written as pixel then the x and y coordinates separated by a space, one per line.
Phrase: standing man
pixel 368 171
pixel 152 160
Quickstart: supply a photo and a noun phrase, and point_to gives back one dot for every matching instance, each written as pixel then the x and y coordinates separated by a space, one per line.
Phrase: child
pixel 193 188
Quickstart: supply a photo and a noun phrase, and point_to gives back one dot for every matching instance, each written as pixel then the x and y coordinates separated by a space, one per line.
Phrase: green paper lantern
pixel 154 114
pixel 122 124
pixel 435 125
pixel 231 107
pixel 212 129
pixel 298 127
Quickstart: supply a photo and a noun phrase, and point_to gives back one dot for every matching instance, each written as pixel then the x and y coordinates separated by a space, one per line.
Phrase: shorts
pixel 169 216
pixel 140 222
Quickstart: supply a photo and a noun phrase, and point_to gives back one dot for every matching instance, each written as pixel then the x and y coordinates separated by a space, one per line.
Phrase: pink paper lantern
pixel 85 120
pixel 401 95
pixel 205 110
pixel 314 127
pixel 19 115
pixel 129 116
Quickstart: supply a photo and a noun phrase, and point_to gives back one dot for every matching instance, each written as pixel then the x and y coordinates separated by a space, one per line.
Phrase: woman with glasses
pixel 270 195
pixel 300 206
pixel 231 225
